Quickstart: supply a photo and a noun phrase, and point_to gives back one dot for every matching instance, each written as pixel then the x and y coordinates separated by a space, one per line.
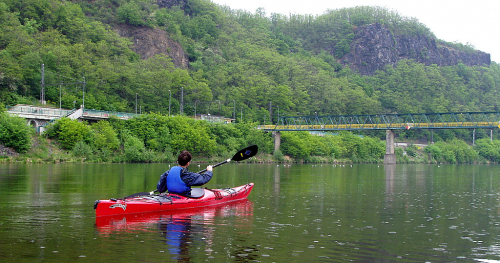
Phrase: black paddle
pixel 241 155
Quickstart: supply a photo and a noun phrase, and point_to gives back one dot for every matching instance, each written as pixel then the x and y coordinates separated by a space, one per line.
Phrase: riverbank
pixel 45 150
pixel 48 151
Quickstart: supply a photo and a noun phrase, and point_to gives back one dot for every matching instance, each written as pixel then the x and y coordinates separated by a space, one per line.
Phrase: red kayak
pixel 169 202
pixel 240 210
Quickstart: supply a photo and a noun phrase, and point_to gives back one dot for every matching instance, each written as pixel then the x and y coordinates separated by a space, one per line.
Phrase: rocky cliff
pixel 148 42
pixel 374 47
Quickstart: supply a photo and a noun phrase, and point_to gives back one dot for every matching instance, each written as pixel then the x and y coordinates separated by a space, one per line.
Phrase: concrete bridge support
pixel 277 140
pixel 390 157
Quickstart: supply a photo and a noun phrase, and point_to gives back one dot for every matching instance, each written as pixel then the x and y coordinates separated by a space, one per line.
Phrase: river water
pixel 297 213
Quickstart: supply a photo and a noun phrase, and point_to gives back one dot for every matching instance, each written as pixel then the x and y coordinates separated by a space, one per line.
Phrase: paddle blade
pixel 246 153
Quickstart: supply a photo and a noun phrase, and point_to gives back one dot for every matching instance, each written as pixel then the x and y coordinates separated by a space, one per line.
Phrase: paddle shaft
pixel 215 165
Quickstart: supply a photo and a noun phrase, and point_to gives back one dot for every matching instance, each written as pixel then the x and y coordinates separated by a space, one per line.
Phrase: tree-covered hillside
pixel 239 61
pixel 252 66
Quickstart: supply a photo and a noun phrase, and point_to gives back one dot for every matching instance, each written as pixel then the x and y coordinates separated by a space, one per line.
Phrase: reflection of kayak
pixel 169 202
pixel 203 215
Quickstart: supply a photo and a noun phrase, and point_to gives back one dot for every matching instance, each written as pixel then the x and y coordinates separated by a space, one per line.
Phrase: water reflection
pixel 184 231
pixel 276 185
pixel 390 170
pixel 303 213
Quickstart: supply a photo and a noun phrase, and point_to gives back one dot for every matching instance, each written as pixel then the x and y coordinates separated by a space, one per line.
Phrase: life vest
pixel 175 183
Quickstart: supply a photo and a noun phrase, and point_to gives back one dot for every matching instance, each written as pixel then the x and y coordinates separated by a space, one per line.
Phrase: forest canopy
pixel 252 62
pixel 249 66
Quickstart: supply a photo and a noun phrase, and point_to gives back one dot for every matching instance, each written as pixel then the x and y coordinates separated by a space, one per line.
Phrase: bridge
pixel 39 117
pixel 388 122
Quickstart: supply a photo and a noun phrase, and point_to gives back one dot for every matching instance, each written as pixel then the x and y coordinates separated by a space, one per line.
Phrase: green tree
pixel 490 150
pixel 104 136
pixel 134 150
pixel 14 132
pixel 191 135
pixel 295 144
pixel 68 132
pixel 132 14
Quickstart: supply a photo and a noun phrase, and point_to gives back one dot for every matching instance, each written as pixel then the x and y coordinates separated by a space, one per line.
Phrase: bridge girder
pixel 461 120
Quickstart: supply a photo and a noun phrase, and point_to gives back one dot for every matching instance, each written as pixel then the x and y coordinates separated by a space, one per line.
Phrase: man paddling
pixel 178 180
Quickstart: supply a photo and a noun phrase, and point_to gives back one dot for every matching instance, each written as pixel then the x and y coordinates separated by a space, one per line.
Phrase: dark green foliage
pixel 411 150
pixel 188 134
pixel 152 129
pixel 454 151
pixel 104 136
pixel 247 64
pixel 489 150
pixel 14 132
pixel 132 14
pixel 68 132
pixel 134 150
pixel 278 156
pixel 288 61
pixel 83 150
pixel 302 145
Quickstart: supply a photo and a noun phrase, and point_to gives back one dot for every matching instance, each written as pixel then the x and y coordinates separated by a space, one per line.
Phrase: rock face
pixel 374 47
pixel 148 42
pixel 4 151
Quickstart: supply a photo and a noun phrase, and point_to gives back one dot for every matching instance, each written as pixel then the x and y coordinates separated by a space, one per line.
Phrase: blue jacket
pixel 179 180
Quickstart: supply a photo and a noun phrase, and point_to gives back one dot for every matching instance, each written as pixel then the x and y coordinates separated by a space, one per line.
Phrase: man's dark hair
pixel 184 158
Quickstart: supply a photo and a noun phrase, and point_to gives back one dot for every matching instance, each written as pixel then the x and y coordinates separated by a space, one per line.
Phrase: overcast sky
pixel 474 22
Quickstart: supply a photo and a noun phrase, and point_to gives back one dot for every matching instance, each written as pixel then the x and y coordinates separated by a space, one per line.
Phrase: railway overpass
pixel 38 116
pixel 388 122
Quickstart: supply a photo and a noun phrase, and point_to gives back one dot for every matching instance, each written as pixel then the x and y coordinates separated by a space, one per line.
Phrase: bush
pixel 489 150
pixel 15 133
pixel 411 150
pixel 454 151
pixel 295 144
pixel 278 156
pixel 191 135
pixel 68 132
pixel 135 152
pixel 104 136
pixel 81 149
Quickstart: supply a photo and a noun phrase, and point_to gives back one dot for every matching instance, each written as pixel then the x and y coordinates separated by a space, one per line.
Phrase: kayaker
pixel 178 180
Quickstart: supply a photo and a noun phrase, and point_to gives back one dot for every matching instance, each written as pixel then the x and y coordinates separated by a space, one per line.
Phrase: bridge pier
pixel 390 157
pixel 277 140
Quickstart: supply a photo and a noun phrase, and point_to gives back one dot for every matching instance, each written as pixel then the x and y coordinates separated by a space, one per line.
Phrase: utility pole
pixel 83 103
pixel 270 113
pixel 278 120
pixel 42 90
pixel 195 108
pixel 182 100
pixel 60 95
